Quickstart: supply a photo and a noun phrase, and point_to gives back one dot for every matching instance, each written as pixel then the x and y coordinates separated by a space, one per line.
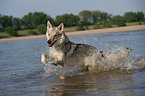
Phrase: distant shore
pixel 85 32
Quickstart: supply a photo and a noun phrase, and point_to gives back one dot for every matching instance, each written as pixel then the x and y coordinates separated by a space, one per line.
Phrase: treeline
pixel 38 20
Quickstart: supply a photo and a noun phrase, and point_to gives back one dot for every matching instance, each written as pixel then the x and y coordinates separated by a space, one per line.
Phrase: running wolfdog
pixel 63 52
pixel 66 53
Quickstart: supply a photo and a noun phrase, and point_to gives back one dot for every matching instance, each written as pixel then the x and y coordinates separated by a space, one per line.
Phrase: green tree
pixel 105 16
pixel 96 15
pixel 104 23
pixel 140 16
pixel 12 30
pixel 17 22
pixel 1 28
pixel 41 28
pixel 27 20
pixel 85 17
pixel 33 19
pixel 130 17
pixel 6 21
pixel 109 24
pixel 0 18
pixel 39 18
pixel 118 20
pixel 80 27
pixel 68 20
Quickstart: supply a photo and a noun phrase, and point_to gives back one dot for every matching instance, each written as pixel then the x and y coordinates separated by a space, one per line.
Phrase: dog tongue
pixel 52 43
pixel 49 45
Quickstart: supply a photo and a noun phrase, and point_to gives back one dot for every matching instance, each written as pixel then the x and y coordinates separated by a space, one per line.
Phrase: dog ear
pixel 60 27
pixel 49 24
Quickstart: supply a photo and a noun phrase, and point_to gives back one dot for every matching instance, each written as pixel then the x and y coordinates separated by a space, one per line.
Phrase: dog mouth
pixel 50 43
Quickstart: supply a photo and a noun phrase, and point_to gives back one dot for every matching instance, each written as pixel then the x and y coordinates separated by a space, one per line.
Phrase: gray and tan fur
pixel 66 53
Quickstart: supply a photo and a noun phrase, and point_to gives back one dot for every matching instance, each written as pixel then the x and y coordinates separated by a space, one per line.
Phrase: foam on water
pixel 51 70
pixel 123 58
pixel 115 59
pixel 118 59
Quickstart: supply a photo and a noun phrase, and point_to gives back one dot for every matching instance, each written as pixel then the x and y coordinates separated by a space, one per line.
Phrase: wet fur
pixel 65 52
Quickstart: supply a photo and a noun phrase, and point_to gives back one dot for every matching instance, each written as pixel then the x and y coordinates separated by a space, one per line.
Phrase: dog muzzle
pixel 50 43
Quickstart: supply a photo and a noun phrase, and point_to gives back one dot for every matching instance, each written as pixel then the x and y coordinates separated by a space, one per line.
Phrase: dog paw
pixel 43 58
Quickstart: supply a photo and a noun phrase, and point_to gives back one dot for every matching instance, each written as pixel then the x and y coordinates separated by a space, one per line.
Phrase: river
pixel 23 74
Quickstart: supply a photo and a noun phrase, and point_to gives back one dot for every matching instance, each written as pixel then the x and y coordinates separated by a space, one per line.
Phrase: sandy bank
pixel 86 32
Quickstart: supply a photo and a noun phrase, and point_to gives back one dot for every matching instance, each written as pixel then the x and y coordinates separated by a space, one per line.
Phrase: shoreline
pixel 85 32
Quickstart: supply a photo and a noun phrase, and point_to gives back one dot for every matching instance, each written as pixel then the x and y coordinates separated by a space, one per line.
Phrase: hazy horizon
pixel 19 8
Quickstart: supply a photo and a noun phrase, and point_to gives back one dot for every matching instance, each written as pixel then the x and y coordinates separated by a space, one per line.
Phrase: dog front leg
pixel 45 58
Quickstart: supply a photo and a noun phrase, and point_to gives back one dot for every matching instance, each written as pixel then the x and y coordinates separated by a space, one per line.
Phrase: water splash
pixel 51 70
pixel 117 59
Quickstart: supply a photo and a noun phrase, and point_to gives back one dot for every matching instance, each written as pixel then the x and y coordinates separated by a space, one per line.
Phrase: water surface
pixel 22 73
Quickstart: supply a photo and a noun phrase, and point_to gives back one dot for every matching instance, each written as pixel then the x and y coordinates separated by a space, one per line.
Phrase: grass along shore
pixel 85 32
pixel 26 32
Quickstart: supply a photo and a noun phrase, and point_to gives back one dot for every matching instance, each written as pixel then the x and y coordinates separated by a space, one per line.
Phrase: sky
pixel 19 8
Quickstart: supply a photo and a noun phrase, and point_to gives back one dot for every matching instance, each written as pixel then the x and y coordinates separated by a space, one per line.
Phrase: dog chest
pixel 57 54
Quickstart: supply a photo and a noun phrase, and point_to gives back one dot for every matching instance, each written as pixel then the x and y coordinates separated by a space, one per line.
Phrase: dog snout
pixel 49 41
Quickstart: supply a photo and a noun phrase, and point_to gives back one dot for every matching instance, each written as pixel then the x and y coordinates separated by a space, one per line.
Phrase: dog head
pixel 55 35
